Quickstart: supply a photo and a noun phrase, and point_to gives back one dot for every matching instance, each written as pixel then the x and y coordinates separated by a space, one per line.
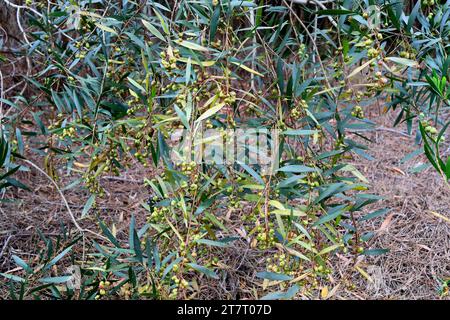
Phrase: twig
pixel 252 21
pixel 318 3
pixel 314 45
pixel 382 129
pixel 60 193
pixel 66 204
pixel 1 100
pixel 121 179
pixel 18 7
pixel 5 245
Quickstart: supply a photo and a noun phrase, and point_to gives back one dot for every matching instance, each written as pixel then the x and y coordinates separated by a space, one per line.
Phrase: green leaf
pixel 273 276
pixel 17 184
pixel 299 132
pixel 328 249
pixel 182 116
pixel 393 17
pixel 374 214
pixel 412 16
pixel 289 294
pixel 375 252
pixel 252 172
pixel 88 205
pixel 8 173
pixel 55 280
pixel 332 189
pixel 214 23
pixel 280 75
pixel 188 70
pixel 204 270
pixel 137 85
pixel 170 267
pixel 21 263
pixel 162 21
pixel 212 243
pixel 19 140
pixel 137 246
pixel 4 146
pixel 447 172
pixel 297 168
pixel 58 257
pixel 334 213
pixel 135 243
pixel 153 30
pixel 12 277
pixel 108 234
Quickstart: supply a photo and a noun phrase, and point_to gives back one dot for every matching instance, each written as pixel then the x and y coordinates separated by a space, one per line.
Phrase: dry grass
pixel 419 242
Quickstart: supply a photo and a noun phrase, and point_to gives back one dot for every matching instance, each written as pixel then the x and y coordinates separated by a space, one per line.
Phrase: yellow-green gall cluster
pixel 68 133
pixel 133 105
pixel 301 49
pixel 298 110
pixel 313 179
pixel 407 54
pixel 103 288
pixel 188 167
pixel 158 214
pixel 265 238
pixel 280 263
pixel 169 59
pixel 357 112
pixel 431 130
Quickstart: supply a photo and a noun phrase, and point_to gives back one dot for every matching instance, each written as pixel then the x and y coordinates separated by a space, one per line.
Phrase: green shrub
pixel 115 80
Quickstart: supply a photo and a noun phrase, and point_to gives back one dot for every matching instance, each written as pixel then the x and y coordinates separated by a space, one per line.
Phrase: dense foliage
pixel 113 80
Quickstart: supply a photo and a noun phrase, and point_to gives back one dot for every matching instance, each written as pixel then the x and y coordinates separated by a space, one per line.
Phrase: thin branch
pixel 17 6
pixel 318 3
pixel 72 217
pixel 60 193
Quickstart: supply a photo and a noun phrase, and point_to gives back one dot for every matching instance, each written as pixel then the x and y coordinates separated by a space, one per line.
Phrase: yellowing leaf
pixel 253 186
pixel 116 61
pixel 277 204
pixel 403 61
pixel 363 273
pixel 137 85
pixel 355 172
pixel 248 69
pixel 301 277
pixel 288 212
pixel 193 46
pixel 207 63
pixel 80 165
pixel 328 249
pixel 360 68
pixel 211 112
pixel 440 216
pixel 91 14
pixel 324 292
pixel 105 28
pixel 162 21
pixel 114 230
pixel 294 252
